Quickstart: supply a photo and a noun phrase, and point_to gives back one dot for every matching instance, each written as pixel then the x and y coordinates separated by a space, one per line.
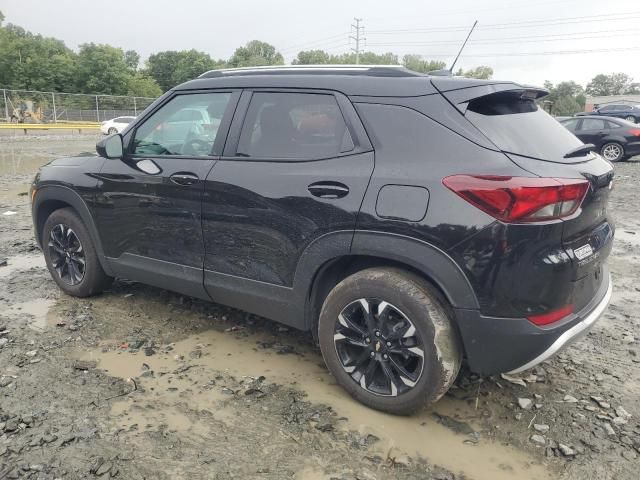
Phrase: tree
pixel 170 68
pixel 33 62
pixel 566 97
pixel 141 85
pixel 615 84
pixel 132 59
pixel 102 69
pixel 417 63
pixel 312 57
pixel 482 72
pixel 256 53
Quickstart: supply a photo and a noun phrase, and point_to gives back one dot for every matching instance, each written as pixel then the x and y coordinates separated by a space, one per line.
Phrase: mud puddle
pixel 419 435
pixel 21 262
pixel 40 311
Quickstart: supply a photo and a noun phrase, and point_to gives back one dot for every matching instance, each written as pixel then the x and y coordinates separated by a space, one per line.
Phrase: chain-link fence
pixel 28 106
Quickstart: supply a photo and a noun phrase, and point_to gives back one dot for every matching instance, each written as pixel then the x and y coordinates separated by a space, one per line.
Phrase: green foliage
pixel 312 57
pixel 141 85
pixel 102 68
pixel 33 62
pixel 614 84
pixel 256 53
pixel 132 59
pixel 567 98
pixel 417 63
pixel 482 72
pixel 171 68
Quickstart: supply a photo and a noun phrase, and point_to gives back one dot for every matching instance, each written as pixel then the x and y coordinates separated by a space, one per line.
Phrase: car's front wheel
pixel 112 130
pixel 630 118
pixel 612 151
pixel 70 255
pixel 388 338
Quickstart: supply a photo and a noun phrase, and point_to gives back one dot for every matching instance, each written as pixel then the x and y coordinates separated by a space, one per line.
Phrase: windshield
pixel 516 124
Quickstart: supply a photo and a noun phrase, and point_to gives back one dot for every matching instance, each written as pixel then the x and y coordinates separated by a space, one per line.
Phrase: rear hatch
pixel 510 117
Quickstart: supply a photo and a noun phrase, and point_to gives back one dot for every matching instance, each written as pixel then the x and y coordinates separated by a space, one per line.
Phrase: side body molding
pixel 61 193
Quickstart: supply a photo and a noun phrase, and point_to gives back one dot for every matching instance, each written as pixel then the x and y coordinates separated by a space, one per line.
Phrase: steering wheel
pixel 195 146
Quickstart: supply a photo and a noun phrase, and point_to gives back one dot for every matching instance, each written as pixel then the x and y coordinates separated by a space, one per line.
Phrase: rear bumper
pixel 495 345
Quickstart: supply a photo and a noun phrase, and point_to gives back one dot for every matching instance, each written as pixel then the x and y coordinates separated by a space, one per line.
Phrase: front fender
pixel 60 194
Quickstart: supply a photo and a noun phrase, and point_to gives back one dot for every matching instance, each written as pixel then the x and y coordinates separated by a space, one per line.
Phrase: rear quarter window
pixel 516 124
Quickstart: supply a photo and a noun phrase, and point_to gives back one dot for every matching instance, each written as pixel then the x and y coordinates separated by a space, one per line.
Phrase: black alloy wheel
pixel 379 347
pixel 67 255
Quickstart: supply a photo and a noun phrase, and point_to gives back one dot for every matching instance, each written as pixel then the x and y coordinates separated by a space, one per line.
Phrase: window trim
pixel 361 143
pixel 223 131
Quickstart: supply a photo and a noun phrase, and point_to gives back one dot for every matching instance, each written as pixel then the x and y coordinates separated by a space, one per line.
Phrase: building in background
pixel 593 102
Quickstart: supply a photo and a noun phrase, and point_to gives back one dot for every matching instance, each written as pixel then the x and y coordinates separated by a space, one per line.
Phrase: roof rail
pixel 369 70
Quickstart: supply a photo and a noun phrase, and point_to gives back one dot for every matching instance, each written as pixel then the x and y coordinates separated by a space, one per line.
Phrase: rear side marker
pixel 520 199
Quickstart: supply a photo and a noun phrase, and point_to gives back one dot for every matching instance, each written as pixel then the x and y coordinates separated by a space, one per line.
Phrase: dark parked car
pixel 615 139
pixel 630 113
pixel 409 222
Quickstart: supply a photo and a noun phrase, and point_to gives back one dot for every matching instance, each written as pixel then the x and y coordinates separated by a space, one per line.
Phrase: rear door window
pixel 295 126
pixel 593 124
pixel 515 124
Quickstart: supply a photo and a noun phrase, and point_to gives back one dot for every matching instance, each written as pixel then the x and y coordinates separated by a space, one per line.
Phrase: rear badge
pixel 583 252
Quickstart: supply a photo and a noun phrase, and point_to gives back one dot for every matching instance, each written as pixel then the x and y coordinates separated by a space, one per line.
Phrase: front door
pixel 295 168
pixel 149 205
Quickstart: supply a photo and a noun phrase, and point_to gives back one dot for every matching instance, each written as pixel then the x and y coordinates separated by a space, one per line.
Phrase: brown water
pixel 22 262
pixel 417 435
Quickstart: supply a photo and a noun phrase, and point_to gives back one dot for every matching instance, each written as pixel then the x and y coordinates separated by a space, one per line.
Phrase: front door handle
pixel 328 189
pixel 184 178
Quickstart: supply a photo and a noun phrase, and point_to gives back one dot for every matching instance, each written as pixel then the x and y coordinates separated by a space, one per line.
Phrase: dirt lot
pixel 143 383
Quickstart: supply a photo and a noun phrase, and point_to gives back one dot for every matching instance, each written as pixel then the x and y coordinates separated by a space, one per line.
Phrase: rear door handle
pixel 328 189
pixel 184 178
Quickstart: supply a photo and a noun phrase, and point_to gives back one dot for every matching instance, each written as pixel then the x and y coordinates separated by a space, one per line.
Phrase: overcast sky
pixel 431 29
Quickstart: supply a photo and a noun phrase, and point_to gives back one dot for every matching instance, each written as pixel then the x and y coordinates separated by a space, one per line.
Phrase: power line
pixel 358 38
pixel 532 54
pixel 507 40
pixel 522 24
pixel 311 43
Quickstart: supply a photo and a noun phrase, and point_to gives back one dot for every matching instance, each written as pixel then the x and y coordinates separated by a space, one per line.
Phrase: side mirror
pixel 110 147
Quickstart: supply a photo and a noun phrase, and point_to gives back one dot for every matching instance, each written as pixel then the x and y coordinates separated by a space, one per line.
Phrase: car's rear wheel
pixel 70 255
pixel 112 130
pixel 388 338
pixel 612 151
pixel 630 118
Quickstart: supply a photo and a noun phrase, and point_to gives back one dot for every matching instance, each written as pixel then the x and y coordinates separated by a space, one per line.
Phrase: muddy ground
pixel 144 383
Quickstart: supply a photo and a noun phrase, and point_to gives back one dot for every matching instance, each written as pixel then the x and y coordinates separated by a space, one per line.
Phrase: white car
pixel 115 125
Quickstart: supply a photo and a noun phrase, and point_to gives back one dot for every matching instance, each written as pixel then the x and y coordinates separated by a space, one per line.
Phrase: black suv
pixel 630 113
pixel 408 221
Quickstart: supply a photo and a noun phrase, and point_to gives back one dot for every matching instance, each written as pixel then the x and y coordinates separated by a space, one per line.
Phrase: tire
pixel 66 244
pixel 112 130
pixel 612 151
pixel 630 118
pixel 423 323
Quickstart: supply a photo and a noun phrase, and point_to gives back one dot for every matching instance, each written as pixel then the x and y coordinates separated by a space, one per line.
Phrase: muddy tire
pixel 70 255
pixel 388 338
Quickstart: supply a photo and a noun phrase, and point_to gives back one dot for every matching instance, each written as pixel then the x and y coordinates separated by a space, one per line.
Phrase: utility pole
pixel 358 38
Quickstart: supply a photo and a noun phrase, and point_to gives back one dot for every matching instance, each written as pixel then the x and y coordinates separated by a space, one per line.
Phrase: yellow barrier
pixel 48 126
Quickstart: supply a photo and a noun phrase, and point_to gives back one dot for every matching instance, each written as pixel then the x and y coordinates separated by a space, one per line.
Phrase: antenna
pixel 462 48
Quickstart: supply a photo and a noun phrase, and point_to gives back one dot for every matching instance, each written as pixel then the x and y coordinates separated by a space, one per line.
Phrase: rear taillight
pixel 520 199
pixel 551 317
pixel 635 132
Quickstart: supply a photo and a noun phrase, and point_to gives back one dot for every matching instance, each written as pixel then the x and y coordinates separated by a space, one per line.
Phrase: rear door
pixel 295 168
pixel 592 130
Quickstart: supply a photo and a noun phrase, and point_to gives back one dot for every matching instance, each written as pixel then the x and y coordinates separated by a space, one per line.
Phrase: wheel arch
pixel 380 249
pixel 54 197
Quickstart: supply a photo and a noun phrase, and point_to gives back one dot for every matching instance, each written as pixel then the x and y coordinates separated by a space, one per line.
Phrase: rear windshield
pixel 515 124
